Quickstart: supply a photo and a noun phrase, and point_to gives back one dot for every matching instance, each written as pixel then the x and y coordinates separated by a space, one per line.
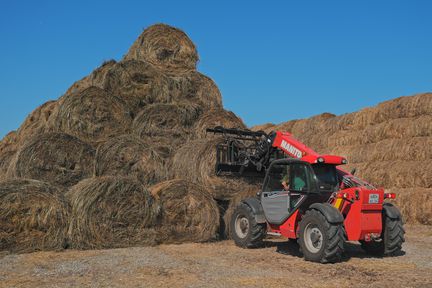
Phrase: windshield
pixel 326 173
pixel 352 181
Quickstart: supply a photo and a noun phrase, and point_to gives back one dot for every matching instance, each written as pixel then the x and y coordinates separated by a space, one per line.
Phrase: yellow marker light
pixel 338 203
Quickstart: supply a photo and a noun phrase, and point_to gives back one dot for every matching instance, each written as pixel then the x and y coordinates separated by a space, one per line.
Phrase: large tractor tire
pixel 319 240
pixel 392 237
pixel 244 229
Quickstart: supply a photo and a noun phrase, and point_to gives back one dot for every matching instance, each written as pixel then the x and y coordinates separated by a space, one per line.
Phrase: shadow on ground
pixel 352 250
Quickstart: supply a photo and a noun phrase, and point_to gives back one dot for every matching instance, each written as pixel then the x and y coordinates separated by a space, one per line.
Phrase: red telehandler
pixel 305 196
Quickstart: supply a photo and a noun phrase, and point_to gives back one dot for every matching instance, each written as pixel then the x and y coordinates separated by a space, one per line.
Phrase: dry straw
pixel 92 115
pixel 96 78
pixel 33 216
pixel 196 87
pixel 110 212
pixel 138 83
pixel 166 121
pixel 6 158
pixel 166 47
pixel 56 158
pixel 188 212
pixel 415 204
pixel 127 155
pixel 213 118
pixel 9 142
pixel 195 161
pixel 37 122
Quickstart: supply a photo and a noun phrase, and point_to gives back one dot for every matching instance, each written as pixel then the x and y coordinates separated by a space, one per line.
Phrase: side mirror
pixel 353 171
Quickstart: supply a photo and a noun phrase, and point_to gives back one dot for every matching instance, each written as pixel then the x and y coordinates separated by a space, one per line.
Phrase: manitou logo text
pixel 291 149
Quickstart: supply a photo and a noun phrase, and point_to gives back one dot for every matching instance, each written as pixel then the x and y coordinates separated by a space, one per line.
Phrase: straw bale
pixel 166 47
pixel 33 216
pixel 138 83
pixel 92 115
pixel 111 212
pixel 171 121
pixel 188 212
pixel 56 158
pixel 127 155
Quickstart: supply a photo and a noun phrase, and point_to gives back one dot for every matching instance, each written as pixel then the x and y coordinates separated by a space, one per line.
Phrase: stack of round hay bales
pixel 33 216
pixel 129 126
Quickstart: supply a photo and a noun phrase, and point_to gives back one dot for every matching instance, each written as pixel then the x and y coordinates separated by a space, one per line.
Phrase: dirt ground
pixel 220 264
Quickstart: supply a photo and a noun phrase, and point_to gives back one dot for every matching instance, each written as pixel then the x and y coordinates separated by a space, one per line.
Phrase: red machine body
pixel 305 196
pixel 361 206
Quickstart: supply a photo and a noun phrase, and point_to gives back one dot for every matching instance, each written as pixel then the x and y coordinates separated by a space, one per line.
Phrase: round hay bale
pixel 188 212
pixel 127 155
pixel 172 121
pixel 37 122
pixel 138 83
pixel 92 115
pixel 33 216
pixel 96 78
pixel 195 161
pixel 213 118
pixel 56 158
pixel 111 212
pixel 196 87
pixel 166 47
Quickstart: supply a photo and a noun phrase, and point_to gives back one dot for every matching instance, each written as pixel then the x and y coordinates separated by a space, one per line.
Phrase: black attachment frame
pixel 238 157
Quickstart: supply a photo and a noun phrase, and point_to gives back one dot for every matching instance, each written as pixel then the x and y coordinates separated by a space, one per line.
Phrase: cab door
pixel 279 199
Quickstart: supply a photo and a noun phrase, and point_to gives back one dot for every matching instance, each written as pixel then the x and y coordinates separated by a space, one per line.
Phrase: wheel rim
pixel 241 226
pixel 313 238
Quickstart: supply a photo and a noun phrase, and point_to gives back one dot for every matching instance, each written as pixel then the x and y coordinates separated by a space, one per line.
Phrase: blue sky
pixel 272 60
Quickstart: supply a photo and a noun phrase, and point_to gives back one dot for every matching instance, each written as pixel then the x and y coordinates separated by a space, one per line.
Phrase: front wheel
pixel 320 240
pixel 244 229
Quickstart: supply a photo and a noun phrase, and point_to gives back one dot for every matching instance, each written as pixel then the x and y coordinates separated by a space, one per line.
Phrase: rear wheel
pixel 319 240
pixel 244 229
pixel 392 237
